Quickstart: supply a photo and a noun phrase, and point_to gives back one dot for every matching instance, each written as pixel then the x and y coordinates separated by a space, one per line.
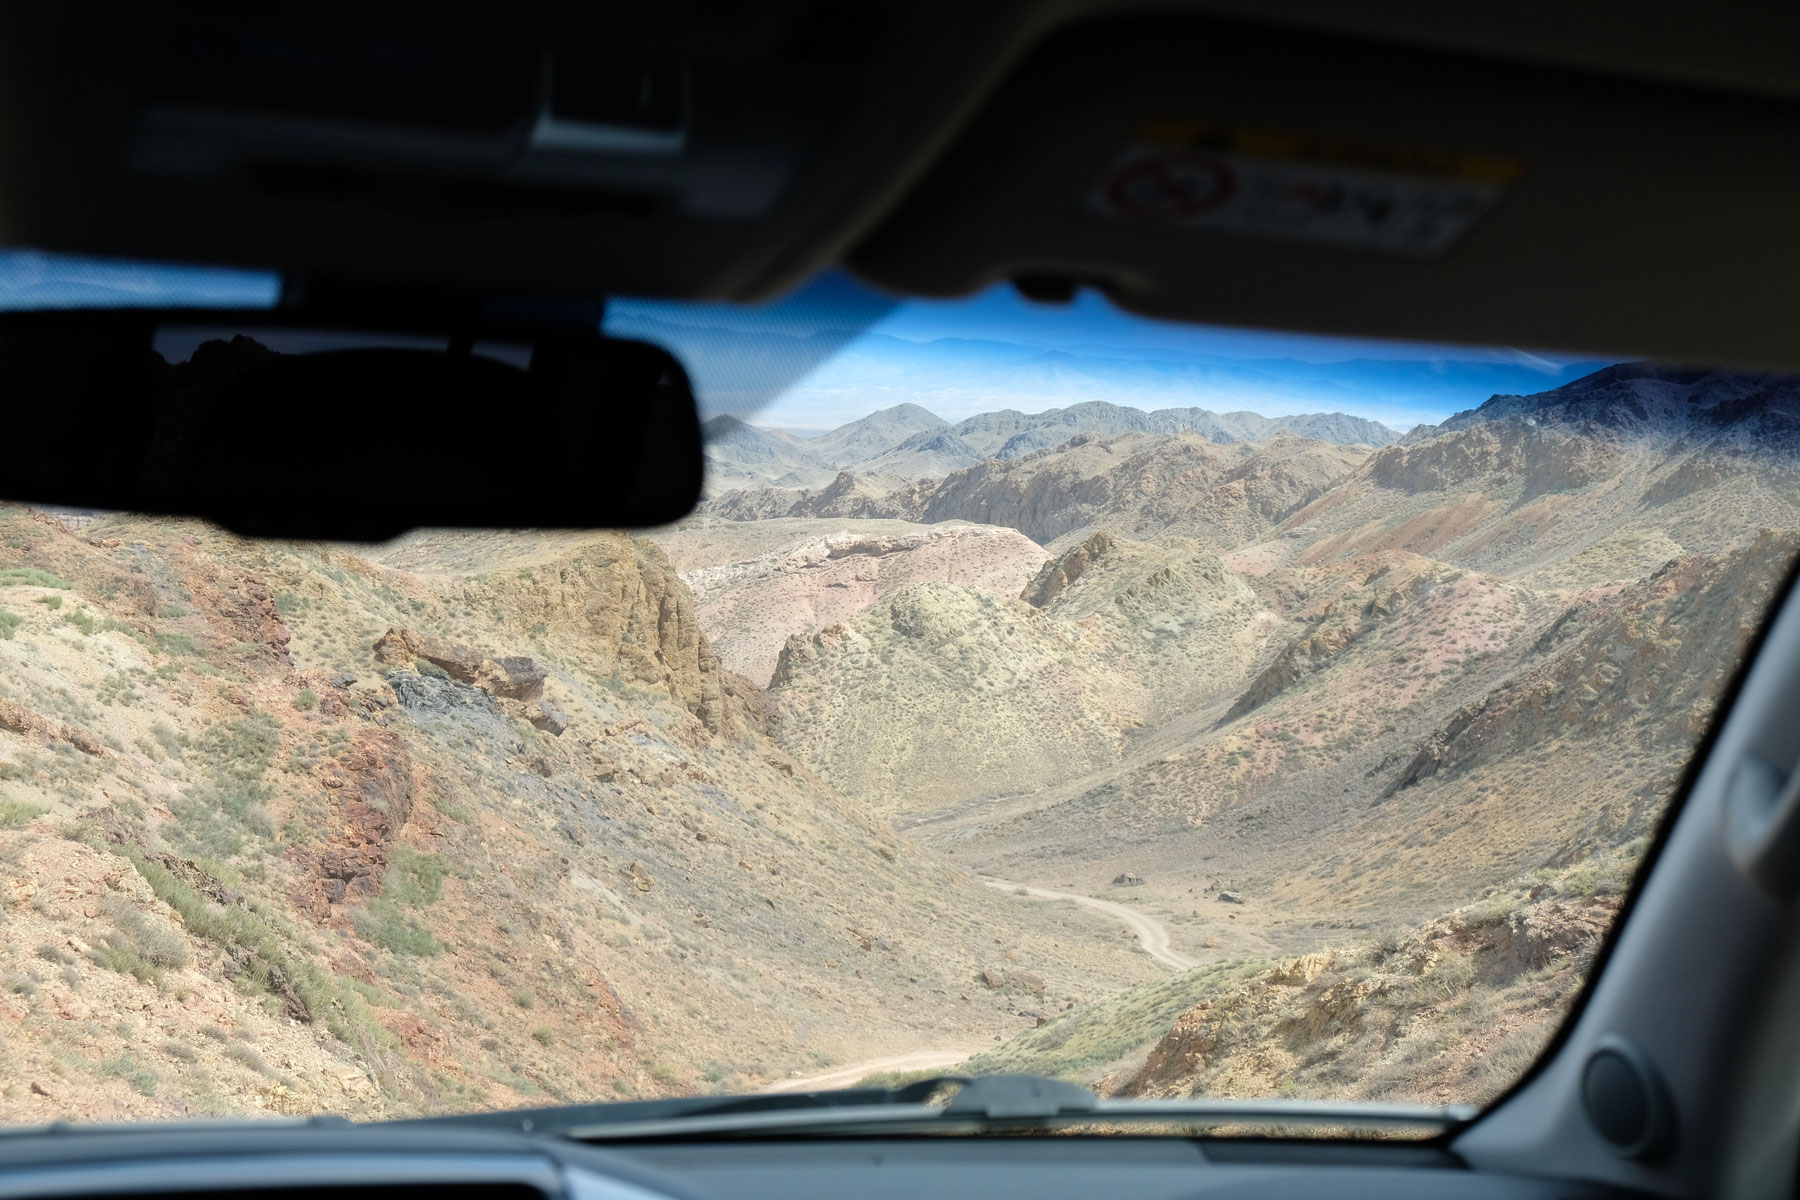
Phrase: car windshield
pixel 1037 689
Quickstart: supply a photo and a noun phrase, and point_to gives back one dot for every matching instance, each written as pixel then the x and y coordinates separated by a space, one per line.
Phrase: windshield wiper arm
pixel 1004 1101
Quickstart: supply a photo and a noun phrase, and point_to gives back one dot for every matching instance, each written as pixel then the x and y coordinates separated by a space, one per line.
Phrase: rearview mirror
pixel 355 443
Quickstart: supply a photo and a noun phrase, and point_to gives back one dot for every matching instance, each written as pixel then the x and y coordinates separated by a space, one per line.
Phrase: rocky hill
pixel 939 695
pixel 939 692
pixel 1450 1012
pixel 1601 480
pixel 1143 486
pixel 834 570
pixel 1137 485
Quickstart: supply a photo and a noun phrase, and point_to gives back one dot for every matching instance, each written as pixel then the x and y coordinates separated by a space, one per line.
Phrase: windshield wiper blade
pixel 561 1118
pixel 1007 1102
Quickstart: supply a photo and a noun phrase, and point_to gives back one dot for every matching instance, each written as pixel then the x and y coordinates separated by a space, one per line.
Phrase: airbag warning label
pixel 1255 183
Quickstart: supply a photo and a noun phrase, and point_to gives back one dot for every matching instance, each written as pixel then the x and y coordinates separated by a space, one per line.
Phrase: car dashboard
pixel 350 1163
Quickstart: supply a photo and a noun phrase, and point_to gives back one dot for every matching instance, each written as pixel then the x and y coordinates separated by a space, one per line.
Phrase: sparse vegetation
pixel 382 924
pixel 15 813
pixel 141 1078
pixel 138 944
pixel 175 643
pixel 31 577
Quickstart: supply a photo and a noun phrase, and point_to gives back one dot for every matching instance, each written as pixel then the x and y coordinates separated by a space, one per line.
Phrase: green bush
pixel 524 999
pixel 31 577
pixel 307 700
pixel 381 924
pixel 50 601
pixel 137 945
pixel 175 643
pixel 169 612
pixel 83 620
pixel 249 1057
pixel 544 1035
pixel 416 879
pixel 51 952
pixel 168 737
pixel 8 623
pixel 253 935
pixel 14 813
pixel 142 1079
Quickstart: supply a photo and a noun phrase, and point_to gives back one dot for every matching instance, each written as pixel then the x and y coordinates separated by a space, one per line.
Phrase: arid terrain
pixel 1168 753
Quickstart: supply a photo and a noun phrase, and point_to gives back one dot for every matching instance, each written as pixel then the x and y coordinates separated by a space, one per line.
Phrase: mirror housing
pixel 344 444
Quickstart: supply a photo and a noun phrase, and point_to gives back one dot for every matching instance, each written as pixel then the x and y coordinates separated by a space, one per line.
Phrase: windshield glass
pixel 1174 711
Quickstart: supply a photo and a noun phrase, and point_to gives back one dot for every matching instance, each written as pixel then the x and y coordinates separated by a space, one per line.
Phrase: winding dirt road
pixel 1151 934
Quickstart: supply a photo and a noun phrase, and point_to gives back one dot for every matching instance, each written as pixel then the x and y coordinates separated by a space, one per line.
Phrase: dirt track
pixel 918 1060
pixel 1151 933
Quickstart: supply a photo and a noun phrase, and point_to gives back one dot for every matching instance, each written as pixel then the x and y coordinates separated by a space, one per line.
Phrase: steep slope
pixel 1391 758
pixel 750 607
pixel 468 821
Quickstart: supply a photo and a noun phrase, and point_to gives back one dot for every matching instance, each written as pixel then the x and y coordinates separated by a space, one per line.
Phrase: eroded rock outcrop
pixel 1055 576
pixel 16 718
pixel 749 608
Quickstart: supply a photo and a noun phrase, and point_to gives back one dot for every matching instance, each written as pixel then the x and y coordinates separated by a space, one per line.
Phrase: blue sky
pixel 32 279
pixel 836 350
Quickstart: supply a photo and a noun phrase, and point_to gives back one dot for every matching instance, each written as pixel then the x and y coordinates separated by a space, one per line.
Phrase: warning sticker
pixel 1258 183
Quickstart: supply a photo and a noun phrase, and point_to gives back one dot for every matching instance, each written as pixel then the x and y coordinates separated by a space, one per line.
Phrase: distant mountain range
pixel 912 442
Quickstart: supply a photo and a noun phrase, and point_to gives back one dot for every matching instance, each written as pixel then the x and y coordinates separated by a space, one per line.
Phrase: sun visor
pixel 1244 175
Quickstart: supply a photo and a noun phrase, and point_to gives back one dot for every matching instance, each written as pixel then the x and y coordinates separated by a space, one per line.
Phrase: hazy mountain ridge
pixel 1138 485
pixel 738 452
pixel 909 441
